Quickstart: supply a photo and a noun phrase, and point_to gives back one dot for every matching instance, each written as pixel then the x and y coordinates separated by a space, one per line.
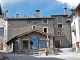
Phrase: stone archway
pixel 34 42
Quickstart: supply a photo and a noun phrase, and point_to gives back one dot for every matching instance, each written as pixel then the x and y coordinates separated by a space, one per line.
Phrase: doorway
pixel 34 42
pixel 57 43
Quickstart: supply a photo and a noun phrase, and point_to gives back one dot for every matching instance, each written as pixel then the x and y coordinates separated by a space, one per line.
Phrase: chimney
pixel 6 13
pixel 37 13
pixel 16 15
pixel 65 11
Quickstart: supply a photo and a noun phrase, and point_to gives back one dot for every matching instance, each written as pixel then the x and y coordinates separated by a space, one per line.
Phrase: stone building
pixel 53 31
pixel 35 33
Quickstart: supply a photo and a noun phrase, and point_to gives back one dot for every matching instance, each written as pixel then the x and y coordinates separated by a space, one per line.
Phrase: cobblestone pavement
pixel 64 55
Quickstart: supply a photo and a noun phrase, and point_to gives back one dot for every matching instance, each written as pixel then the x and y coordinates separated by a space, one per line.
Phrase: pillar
pixel 29 44
pixel 39 44
pixel 51 42
pixel 47 41
pixel 19 44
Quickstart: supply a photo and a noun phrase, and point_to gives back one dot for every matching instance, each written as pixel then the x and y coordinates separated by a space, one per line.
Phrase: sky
pixel 46 7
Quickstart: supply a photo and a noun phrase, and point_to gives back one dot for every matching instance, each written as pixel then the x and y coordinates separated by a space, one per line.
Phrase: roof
pixel 29 18
pixel 58 15
pixel 77 9
pixel 26 33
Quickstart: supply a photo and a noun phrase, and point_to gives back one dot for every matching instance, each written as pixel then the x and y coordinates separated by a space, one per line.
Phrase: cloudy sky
pixel 46 7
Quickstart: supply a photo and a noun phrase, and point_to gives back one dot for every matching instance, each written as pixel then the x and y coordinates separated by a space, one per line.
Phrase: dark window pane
pixel 45 21
pixel 45 30
pixel 33 27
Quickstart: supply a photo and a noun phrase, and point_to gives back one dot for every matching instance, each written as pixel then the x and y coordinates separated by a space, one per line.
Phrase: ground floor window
pixel 43 44
pixel 25 44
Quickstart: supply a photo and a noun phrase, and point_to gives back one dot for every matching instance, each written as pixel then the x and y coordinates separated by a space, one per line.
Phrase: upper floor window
pixel 45 21
pixel 34 27
pixel 60 33
pixel 60 25
pixel 29 21
pixel 1 31
pixel 45 29
pixel 59 18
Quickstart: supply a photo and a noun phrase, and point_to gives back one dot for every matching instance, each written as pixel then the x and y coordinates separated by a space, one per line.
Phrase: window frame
pixel 47 29
pixel 61 33
pixel 43 22
pixel 35 27
pixel 61 40
pixel 59 23
pixel 45 43
pixel 1 31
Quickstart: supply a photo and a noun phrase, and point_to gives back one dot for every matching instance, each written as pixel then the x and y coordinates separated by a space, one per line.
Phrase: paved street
pixel 66 54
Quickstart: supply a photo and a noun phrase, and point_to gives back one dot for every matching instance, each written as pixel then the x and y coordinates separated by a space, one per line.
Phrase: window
pixel 61 41
pixel 1 31
pixel 25 44
pixel 45 21
pixel 43 44
pixel 59 18
pixel 29 21
pixel 34 27
pixel 60 33
pixel 45 29
pixel 60 26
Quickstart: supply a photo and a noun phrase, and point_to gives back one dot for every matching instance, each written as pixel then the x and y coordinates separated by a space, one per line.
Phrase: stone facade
pixel 54 30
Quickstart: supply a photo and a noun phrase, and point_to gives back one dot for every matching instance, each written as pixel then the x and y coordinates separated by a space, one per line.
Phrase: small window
pixel 60 26
pixel 60 33
pixel 33 27
pixel 59 18
pixel 1 31
pixel 45 21
pixel 43 44
pixel 61 41
pixel 45 30
pixel 29 21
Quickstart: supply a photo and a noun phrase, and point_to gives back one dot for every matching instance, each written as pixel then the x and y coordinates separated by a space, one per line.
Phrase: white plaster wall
pixel 77 37
pixel 6 36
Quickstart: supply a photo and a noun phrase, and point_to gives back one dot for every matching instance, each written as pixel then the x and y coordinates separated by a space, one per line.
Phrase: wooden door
pixel 1 46
pixel 57 43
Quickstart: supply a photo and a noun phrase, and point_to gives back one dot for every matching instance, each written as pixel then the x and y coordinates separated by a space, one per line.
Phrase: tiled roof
pixel 26 33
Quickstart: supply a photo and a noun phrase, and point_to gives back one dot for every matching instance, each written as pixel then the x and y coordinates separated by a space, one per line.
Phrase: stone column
pixel 19 44
pixel 39 44
pixel 51 43
pixel 29 43
pixel 47 43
